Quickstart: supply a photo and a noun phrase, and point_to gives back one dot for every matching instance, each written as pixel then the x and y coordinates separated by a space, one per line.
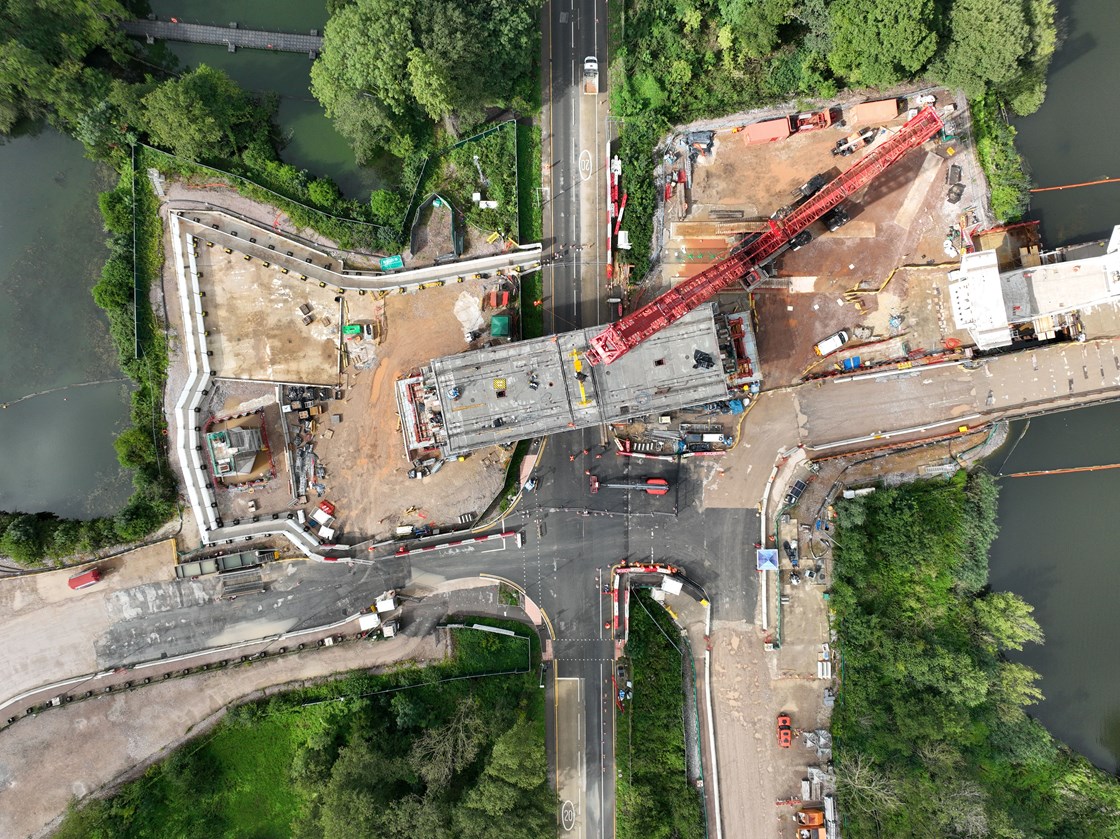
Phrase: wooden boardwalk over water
pixel 230 37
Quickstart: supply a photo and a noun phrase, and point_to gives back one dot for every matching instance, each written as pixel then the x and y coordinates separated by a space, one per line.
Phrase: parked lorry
pixel 85 579
pixel 591 74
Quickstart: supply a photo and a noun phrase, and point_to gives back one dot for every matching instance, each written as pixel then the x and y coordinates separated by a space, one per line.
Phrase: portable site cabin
pixel 386 602
pixel 874 113
pixel 767 131
pixel 671 586
pixel 369 622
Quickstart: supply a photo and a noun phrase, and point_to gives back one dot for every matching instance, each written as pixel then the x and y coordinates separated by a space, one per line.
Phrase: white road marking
pixel 585 165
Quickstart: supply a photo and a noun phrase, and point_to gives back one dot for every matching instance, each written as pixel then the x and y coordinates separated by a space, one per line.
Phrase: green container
pixel 391 263
pixel 352 329
pixel 499 326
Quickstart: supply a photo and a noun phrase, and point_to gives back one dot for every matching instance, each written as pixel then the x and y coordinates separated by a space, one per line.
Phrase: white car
pixel 831 344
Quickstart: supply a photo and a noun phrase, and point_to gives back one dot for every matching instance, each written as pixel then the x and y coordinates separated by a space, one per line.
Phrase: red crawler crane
pixel 625 334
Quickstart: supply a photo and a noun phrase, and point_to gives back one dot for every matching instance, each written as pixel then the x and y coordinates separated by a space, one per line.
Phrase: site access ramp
pixel 625 334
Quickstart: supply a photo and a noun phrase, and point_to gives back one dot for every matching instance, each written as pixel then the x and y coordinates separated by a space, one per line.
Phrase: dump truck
pixel 591 74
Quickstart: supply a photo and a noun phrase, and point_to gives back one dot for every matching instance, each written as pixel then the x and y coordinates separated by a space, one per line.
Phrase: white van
pixel 831 344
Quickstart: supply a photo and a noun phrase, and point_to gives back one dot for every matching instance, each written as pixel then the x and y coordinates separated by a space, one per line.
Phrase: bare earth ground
pixel 365 458
pixel 790 322
pixel 49 632
pixel 78 749
pixel 900 219
pixel 230 398
pixel 259 334
pixel 751 766
pixel 256 329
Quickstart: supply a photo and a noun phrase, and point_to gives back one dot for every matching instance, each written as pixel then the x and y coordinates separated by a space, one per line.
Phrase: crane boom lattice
pixel 625 334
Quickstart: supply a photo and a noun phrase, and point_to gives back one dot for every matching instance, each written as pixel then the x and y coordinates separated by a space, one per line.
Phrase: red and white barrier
pixel 505 534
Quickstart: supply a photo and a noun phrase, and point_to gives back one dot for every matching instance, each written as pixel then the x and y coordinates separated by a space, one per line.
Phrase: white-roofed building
pixel 990 304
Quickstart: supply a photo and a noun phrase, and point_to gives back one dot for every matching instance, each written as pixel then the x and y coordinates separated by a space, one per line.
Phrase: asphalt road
pixel 575 161
pixel 177 617
pixel 572 538
pixel 567 582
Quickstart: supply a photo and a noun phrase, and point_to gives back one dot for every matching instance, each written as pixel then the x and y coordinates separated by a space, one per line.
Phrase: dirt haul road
pixel 78 749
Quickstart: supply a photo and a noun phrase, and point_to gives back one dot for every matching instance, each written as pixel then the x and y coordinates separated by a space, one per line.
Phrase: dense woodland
pixel 402 754
pixel 681 60
pixel 932 735
pixel 395 72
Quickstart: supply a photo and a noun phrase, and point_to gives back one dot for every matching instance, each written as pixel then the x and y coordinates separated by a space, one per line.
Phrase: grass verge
pixel 513 474
pixel 654 796
pixel 296 765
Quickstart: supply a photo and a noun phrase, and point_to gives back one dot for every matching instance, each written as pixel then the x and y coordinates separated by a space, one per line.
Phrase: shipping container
pixel 767 131
pixel 875 113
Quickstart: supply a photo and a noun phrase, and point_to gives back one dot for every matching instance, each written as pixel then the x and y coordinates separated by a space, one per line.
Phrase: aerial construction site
pixel 790 246
pixel 388 417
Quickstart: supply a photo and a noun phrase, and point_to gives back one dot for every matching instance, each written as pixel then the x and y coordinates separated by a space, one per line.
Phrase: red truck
pixel 85 579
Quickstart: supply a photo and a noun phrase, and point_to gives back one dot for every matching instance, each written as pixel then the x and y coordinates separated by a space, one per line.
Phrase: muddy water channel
pixel 1058 550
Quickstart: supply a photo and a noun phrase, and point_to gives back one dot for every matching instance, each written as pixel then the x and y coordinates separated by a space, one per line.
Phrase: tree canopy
pixel 987 41
pixel 202 114
pixel 880 42
pixel 930 730
pixel 391 70
pixel 45 47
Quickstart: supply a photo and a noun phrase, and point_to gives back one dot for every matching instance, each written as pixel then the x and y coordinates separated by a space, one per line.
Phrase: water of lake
pixel 57 449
